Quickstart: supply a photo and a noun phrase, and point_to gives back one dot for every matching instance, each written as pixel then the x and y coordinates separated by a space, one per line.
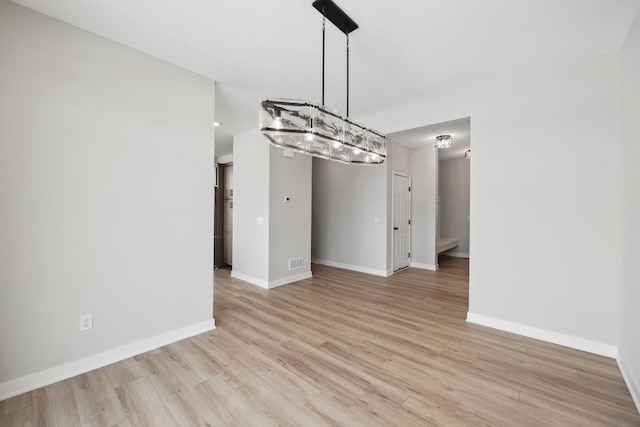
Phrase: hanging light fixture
pixel 444 141
pixel 316 130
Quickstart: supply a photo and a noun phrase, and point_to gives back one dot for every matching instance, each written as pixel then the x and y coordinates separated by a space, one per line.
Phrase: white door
pixel 401 221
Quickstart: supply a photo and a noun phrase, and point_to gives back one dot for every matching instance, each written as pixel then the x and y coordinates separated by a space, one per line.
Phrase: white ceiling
pixel 404 50
pixel 426 135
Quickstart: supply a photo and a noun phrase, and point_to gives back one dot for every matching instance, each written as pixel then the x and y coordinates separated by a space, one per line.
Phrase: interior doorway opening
pixel 440 212
pixel 223 227
pixel 454 179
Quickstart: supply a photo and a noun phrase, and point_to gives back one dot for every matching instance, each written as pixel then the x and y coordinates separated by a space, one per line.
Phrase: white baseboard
pixel 633 386
pixel 290 279
pixel 457 254
pixel 545 335
pixel 272 283
pixel 250 279
pixel 351 267
pixel 62 372
pixel 424 266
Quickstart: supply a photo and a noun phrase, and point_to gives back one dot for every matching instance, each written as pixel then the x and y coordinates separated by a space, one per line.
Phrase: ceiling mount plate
pixel 334 14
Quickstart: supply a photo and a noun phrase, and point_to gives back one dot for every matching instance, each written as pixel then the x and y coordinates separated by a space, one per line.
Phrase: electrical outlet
pixel 86 322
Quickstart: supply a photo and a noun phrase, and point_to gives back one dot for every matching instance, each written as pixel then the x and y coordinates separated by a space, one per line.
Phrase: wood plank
pixel 55 405
pixel 342 348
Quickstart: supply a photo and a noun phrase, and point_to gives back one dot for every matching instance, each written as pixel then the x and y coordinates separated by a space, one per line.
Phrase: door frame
pixel 393 190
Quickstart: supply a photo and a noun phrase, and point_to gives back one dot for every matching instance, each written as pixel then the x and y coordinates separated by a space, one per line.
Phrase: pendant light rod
pixel 345 24
pixel 347 75
pixel 324 19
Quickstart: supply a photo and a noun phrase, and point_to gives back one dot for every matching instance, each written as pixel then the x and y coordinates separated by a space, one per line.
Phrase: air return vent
pixel 295 263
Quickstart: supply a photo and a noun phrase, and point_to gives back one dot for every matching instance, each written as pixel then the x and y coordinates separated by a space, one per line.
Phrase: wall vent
pixel 295 263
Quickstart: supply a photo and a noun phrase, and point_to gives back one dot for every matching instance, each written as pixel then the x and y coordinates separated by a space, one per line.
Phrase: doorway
pixel 401 220
pixel 223 237
pixel 453 177
pixel 439 223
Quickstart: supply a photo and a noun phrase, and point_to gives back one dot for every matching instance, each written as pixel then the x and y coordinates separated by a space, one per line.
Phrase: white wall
pixel 346 201
pixel 263 176
pixel 106 178
pixel 290 225
pixel 545 197
pixel 453 186
pixel 398 159
pixel 424 193
pixel 629 347
pixel 251 201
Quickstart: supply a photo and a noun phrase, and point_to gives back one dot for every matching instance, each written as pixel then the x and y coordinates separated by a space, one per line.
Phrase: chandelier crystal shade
pixel 316 130
pixel 444 141
pixel 320 132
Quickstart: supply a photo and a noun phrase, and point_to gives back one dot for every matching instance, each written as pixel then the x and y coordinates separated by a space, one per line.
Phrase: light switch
pixel 375 219
pixel 260 220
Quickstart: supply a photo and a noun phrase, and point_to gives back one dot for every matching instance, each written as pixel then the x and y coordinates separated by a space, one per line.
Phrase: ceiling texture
pixel 404 50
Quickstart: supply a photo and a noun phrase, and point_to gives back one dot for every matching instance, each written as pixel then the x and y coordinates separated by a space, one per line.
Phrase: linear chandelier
pixel 316 130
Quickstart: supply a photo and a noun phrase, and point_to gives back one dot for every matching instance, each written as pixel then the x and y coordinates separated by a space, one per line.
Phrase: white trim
pixel 457 254
pixel 272 283
pixel 250 279
pixel 390 272
pixel 406 175
pixel 545 335
pixel 634 388
pixel 289 279
pixel 62 372
pixel 357 268
pixel 424 266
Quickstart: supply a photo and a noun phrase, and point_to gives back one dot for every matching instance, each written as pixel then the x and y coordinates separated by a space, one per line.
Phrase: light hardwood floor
pixel 342 349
